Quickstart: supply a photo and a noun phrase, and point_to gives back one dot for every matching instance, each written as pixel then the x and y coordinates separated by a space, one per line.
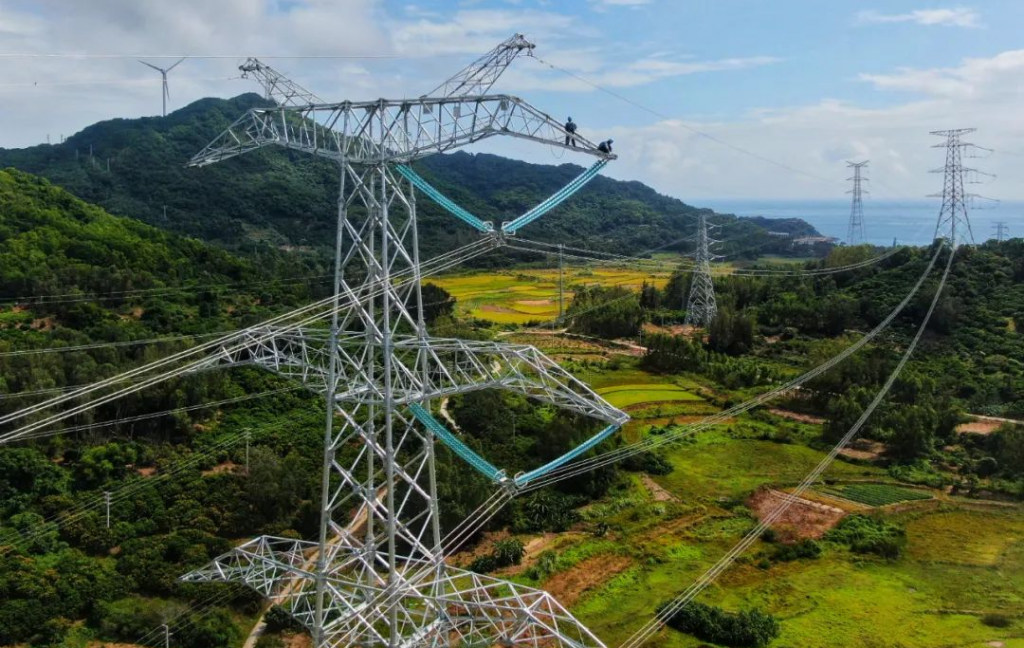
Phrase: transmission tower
pixel 380 577
pixel 953 222
pixel 855 232
pixel 701 306
pixel 1001 230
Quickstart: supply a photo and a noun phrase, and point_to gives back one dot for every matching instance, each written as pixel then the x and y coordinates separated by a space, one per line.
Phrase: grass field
pixel 959 565
pixel 875 494
pixel 522 296
pixel 626 395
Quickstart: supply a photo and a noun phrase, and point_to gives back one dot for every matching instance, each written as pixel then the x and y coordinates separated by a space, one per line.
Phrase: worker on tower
pixel 605 147
pixel 570 131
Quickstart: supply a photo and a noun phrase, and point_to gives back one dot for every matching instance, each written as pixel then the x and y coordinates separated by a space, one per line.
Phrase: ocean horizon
pixel 907 221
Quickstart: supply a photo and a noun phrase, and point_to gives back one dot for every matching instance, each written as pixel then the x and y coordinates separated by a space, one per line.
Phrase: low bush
pixel 866 534
pixel 748 629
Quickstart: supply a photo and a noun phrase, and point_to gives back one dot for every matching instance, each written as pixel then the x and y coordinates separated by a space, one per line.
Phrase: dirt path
pixel 657 492
pixel 568 586
pixel 796 416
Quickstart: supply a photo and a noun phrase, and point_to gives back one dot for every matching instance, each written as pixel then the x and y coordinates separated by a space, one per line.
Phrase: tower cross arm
pixel 390 131
pixel 478 77
pixel 276 86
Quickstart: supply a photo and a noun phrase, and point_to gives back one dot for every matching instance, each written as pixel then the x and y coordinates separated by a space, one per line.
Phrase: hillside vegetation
pixel 284 200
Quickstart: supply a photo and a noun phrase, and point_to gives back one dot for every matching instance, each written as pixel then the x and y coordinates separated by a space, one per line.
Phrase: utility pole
pixel 561 286
pixel 855 232
pixel 167 636
pixel 106 500
pixel 701 307
pixel 953 221
pixel 247 434
pixel 165 213
pixel 1001 230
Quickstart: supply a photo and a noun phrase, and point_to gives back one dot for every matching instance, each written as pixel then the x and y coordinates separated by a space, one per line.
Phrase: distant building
pixel 813 240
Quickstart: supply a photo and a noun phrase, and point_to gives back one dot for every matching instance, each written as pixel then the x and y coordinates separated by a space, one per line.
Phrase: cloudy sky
pixel 787 90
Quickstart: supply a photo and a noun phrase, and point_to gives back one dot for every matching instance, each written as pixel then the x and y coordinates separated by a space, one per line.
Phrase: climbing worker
pixel 570 131
pixel 605 147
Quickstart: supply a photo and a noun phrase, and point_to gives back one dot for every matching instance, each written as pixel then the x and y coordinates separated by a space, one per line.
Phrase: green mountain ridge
pixel 285 200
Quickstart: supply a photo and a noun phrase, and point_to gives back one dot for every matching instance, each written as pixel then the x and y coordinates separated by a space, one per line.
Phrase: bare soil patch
pixel 981 426
pixel 570 585
pixel 535 302
pixel 803 519
pixel 864 449
pixel 491 308
pixel 227 466
pixel 797 416
pixel 148 471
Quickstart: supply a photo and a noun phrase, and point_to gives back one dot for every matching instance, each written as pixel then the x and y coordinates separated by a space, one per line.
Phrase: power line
pixel 695 131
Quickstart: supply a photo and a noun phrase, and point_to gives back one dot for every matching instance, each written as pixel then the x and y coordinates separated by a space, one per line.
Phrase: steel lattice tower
pixel 701 307
pixel 953 215
pixel 1001 230
pixel 855 231
pixel 379 577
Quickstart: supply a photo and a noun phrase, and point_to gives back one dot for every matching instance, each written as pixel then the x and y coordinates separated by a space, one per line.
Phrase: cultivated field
pixel 524 296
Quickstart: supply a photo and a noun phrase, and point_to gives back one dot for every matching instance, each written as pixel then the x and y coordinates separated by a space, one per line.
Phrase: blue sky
pixel 809 83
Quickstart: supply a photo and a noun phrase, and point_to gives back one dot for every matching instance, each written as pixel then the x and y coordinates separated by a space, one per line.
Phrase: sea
pixel 909 222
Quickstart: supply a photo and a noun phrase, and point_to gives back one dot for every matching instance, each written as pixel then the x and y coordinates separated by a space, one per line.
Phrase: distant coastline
pixel 907 221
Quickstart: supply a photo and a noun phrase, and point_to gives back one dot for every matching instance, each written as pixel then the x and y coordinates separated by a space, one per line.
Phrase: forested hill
pixel 287 200
pixel 72 274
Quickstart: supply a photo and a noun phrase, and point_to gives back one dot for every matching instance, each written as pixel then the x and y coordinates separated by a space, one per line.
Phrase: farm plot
pixel 627 395
pixel 874 494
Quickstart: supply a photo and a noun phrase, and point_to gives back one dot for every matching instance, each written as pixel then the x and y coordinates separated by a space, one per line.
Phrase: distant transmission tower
pixel 1001 230
pixel 855 233
pixel 953 219
pixel 701 307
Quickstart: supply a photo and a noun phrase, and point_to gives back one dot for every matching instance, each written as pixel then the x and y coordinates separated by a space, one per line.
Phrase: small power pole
pixel 1001 230
pixel 953 219
pixel 167 636
pixel 701 307
pixel 108 165
pixel 165 213
pixel 855 231
pixel 561 285
pixel 247 452
pixel 106 500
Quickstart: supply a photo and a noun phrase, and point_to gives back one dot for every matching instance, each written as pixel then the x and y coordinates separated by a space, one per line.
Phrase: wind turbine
pixel 163 74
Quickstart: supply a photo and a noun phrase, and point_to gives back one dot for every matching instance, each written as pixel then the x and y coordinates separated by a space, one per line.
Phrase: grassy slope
pixel 959 563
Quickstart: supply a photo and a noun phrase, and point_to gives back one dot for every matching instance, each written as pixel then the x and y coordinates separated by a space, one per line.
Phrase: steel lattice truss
pixel 424 368
pixel 453 607
pixel 954 222
pixel 276 86
pixel 378 370
pixel 701 306
pixel 397 131
pixel 855 231
pixel 478 77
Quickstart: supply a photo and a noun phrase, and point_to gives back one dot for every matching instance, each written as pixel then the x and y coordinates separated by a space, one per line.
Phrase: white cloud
pixel 818 138
pixel 604 5
pixel 973 77
pixel 957 17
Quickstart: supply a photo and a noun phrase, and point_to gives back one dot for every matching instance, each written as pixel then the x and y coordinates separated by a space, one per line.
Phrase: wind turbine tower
pixel 163 74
